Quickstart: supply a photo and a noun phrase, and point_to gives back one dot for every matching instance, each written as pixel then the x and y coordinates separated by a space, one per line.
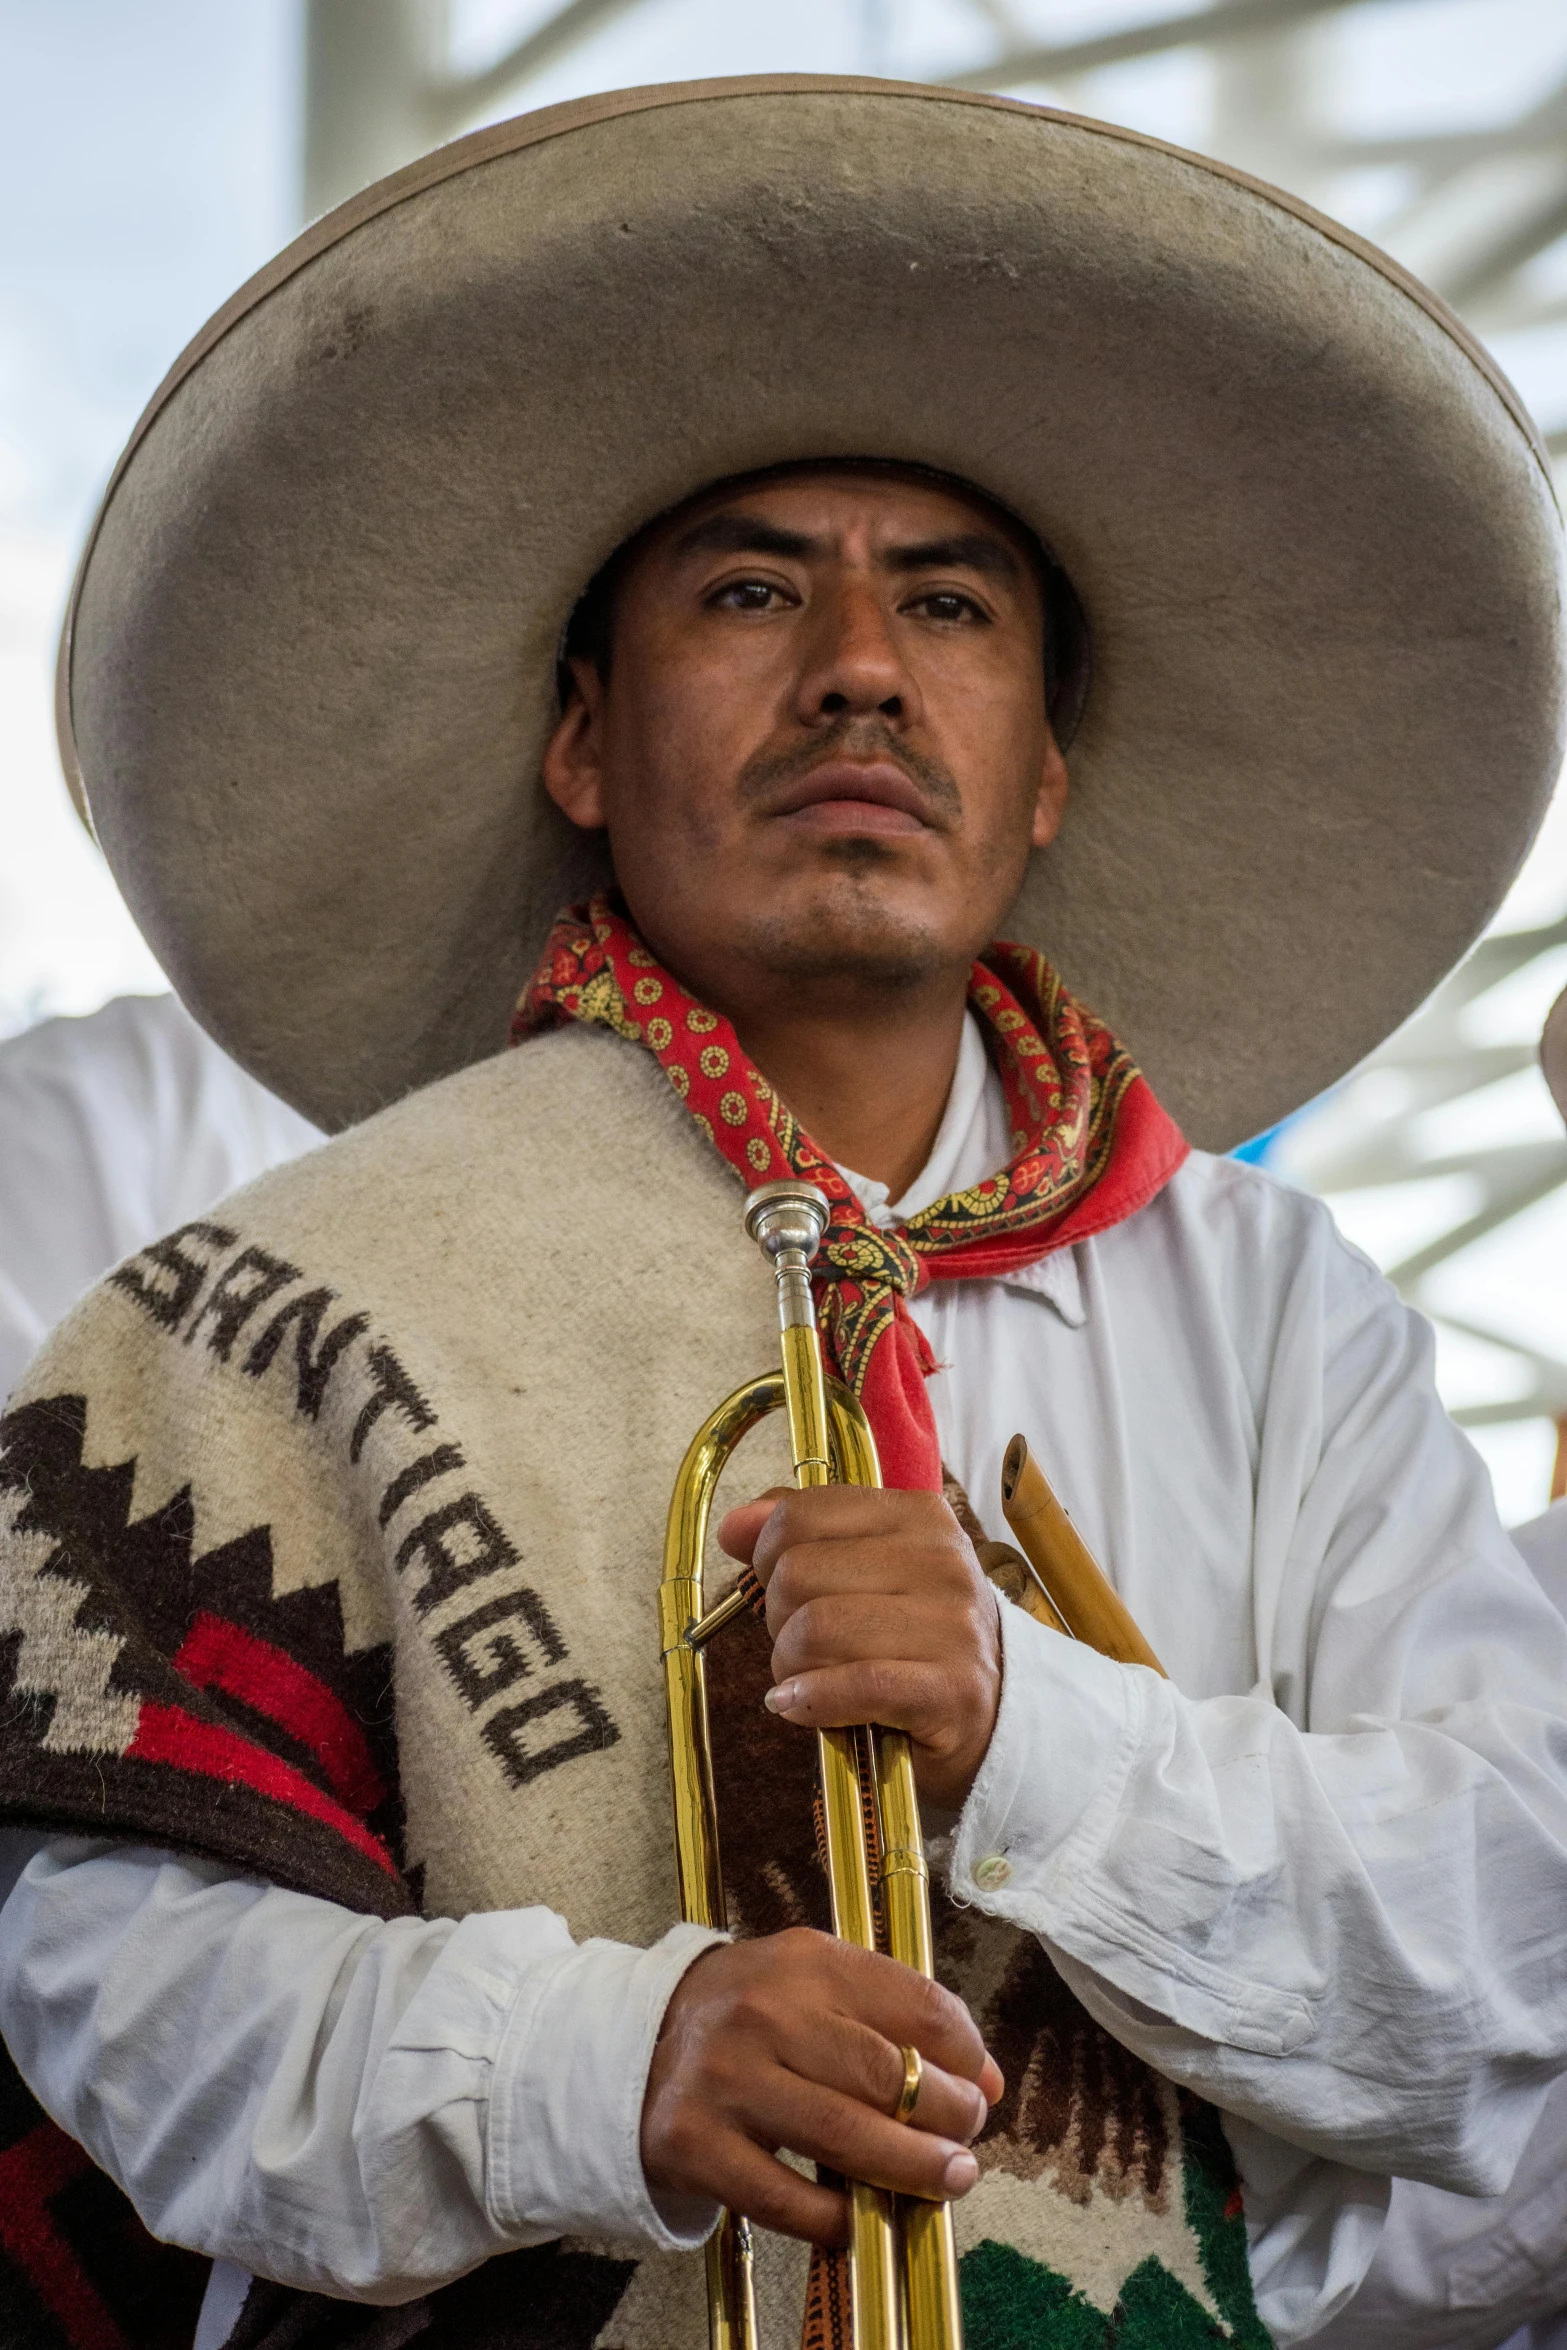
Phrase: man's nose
pixel 853 667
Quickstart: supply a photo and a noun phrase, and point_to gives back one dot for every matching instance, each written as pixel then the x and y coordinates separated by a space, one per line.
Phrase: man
pixel 112 1128
pixel 1543 1540
pixel 343 1929
pixel 1454 2268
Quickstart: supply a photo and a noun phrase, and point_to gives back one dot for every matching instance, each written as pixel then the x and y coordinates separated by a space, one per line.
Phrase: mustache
pixel 856 738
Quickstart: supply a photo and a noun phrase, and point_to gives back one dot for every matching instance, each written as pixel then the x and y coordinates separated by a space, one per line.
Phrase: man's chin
pixel 869 950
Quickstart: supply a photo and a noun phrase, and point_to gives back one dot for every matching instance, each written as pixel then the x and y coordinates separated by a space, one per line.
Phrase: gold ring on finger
pixel 913 2076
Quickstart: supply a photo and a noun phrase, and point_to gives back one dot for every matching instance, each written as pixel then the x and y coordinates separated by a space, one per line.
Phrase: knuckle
pixel 776 1528
pixel 885 2075
pixel 881 1682
pixel 684 2133
pixel 784 1584
pixel 942 1530
pixel 810 1626
pixel 807 1512
pixel 751 2009
pixel 819 2114
pixel 782 2206
pixel 804 1949
pixel 873 2147
pixel 772 2208
pixel 861 1975
pixel 714 2079
pixel 940 2010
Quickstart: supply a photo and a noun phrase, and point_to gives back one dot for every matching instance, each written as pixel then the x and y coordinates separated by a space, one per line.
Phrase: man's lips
pixel 855 795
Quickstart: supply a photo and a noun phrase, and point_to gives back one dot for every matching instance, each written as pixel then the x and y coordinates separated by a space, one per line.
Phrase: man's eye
pixel 748 595
pixel 947 604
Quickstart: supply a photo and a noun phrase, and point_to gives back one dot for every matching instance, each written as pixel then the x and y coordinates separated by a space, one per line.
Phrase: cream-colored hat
pixel 309 663
pixel 1553 1051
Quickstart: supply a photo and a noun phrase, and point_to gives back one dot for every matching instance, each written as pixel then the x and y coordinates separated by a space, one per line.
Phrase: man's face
pixel 821 751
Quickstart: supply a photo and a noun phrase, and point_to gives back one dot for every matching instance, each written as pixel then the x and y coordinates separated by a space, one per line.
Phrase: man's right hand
pixel 795 2041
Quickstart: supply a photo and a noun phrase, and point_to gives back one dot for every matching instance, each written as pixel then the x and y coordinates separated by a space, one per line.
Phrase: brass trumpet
pixel 902 2258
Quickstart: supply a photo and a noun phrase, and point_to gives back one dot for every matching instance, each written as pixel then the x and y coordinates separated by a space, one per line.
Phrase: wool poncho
pixel 329 1537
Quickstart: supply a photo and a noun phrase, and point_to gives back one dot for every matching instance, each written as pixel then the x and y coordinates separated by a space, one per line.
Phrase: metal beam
pixel 458 101
pixel 1060 61
pixel 1001 18
pixel 370 66
pixel 1544 1400
pixel 1529 236
pixel 378 91
pixel 1529 1171
pixel 1545 125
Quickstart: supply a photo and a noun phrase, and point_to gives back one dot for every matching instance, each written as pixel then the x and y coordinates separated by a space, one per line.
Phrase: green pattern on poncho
pixel 1013 2303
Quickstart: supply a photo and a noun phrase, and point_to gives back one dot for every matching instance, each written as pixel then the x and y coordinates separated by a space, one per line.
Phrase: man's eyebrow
pixel 972 550
pixel 749 534
pixel 742 534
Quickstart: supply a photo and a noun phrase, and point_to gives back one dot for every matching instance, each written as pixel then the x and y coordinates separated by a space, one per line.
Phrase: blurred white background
pixel 154 152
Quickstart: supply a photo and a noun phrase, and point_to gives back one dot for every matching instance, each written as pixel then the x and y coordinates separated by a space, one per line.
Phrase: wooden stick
pixel 1074 1586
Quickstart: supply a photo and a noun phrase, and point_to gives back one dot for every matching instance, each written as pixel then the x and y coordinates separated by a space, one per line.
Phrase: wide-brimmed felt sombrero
pixel 310 659
pixel 1553 1052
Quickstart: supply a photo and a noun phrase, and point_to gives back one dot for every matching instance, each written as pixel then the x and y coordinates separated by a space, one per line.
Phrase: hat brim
pixel 1553 1051
pixel 308 670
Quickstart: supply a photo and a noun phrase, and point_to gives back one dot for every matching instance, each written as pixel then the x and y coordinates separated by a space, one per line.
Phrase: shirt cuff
pixel 1052 1778
pixel 565 2117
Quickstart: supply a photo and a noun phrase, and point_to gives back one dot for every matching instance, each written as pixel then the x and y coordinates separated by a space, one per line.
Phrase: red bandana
pixel 1091 1146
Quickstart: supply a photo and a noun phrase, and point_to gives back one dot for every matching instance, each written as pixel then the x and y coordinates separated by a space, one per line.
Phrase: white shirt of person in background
pixel 114 1129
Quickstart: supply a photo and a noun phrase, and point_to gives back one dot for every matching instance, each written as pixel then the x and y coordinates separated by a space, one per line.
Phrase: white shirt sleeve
pixel 1543 1546
pixel 1458 2272
pixel 356 2107
pixel 1354 1941
pixel 1333 1905
pixel 113 1128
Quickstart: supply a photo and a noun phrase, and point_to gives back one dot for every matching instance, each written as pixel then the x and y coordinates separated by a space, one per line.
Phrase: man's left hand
pixel 879 1612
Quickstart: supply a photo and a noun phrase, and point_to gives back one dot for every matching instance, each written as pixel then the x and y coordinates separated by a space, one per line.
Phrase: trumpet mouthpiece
pixel 787 1219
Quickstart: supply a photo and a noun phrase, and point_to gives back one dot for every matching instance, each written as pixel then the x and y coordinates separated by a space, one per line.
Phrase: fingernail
pixel 981 2114
pixel 960 2173
pixel 779 1700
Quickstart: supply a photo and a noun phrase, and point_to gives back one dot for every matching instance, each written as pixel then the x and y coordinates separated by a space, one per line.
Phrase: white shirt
pixel 1320 1874
pixel 1543 1542
pixel 1454 2269
pixel 113 1129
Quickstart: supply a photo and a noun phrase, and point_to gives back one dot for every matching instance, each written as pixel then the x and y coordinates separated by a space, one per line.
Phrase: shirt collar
pixel 973 1141
pixel 1058 1280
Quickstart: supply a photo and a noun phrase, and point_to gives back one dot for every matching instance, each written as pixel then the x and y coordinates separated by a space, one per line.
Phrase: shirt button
pixel 991 1873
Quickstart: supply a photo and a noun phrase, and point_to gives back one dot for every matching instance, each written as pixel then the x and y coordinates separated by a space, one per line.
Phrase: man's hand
pixel 879 1612
pixel 794 2041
